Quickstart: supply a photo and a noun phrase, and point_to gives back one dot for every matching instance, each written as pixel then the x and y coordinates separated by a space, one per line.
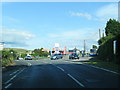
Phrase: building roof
pixel 45 49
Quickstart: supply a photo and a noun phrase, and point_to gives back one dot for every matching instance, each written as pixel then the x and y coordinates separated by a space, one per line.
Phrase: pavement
pixel 61 73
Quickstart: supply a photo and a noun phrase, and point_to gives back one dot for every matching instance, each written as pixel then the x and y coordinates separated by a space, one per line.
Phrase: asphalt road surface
pixel 61 73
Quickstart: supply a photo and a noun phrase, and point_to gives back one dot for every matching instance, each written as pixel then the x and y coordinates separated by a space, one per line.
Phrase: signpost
pixel 114 47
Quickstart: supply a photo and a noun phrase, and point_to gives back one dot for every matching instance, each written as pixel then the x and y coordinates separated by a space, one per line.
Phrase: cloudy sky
pixel 33 25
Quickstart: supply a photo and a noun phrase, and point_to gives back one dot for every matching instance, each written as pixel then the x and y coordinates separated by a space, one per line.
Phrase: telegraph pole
pixel 84 46
pixel 103 34
pixel 119 11
pixel 99 34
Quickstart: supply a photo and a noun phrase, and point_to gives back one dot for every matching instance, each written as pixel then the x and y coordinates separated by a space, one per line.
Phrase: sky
pixel 31 25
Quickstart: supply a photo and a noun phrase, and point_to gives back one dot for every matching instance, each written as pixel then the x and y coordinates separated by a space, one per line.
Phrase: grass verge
pixel 104 64
pixel 40 58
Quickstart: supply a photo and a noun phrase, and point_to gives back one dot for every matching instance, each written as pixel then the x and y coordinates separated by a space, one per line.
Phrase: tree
pixel 13 53
pixel 40 52
pixel 23 55
pixel 94 47
pixel 105 50
pixel 112 27
pixel 105 39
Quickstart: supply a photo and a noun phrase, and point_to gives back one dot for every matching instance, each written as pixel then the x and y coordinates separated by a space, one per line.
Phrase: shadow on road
pixel 9 68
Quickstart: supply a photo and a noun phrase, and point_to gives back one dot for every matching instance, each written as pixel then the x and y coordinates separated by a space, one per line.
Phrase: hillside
pixel 18 50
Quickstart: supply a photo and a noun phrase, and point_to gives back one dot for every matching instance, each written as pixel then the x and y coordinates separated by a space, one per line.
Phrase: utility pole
pixel 84 46
pixel 99 34
pixel 103 34
pixel 119 11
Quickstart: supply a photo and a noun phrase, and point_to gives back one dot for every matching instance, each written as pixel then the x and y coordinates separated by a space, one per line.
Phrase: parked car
pixel 48 56
pixel 73 56
pixel 20 58
pixel 28 58
pixel 56 56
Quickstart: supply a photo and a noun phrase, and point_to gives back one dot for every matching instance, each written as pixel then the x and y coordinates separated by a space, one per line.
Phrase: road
pixel 62 73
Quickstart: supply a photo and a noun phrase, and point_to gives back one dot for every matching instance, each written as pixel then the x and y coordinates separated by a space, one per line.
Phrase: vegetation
pixel 23 55
pixel 8 57
pixel 104 64
pixel 112 27
pixel 94 47
pixel 39 52
pixel 105 50
pixel 18 50
pixel 37 58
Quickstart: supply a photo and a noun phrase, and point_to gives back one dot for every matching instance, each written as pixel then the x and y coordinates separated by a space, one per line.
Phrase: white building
pixel 57 48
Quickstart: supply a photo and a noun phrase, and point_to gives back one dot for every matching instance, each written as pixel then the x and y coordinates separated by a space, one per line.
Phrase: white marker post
pixel 114 47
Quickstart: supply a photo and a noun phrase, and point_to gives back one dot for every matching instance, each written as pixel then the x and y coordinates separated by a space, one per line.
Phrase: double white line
pixel 12 78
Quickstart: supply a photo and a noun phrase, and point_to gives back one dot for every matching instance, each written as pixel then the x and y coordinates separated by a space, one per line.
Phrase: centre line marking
pixel 8 85
pixel 60 68
pixel 76 80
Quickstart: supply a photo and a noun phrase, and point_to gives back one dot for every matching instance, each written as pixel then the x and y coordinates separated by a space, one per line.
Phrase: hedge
pixel 106 52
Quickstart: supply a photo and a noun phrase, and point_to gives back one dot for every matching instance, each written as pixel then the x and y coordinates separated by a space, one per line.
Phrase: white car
pixel 20 58
pixel 56 56
pixel 28 58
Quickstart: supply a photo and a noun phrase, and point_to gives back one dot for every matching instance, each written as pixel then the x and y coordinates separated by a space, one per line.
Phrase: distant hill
pixel 18 50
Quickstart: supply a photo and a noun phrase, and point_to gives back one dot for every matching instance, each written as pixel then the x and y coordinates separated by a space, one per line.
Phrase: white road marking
pixel 76 80
pixel 10 79
pixel 14 76
pixel 8 85
pixel 103 69
pixel 100 68
pixel 14 72
pixel 29 64
pixel 60 68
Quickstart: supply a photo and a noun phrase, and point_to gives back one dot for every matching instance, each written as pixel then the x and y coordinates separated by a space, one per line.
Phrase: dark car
pixel 56 56
pixel 28 58
pixel 73 56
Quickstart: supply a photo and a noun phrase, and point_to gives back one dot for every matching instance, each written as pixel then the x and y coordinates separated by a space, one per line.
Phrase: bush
pixel 8 56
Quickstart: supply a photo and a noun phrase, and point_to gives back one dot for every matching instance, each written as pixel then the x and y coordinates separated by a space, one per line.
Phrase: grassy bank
pixel 104 64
